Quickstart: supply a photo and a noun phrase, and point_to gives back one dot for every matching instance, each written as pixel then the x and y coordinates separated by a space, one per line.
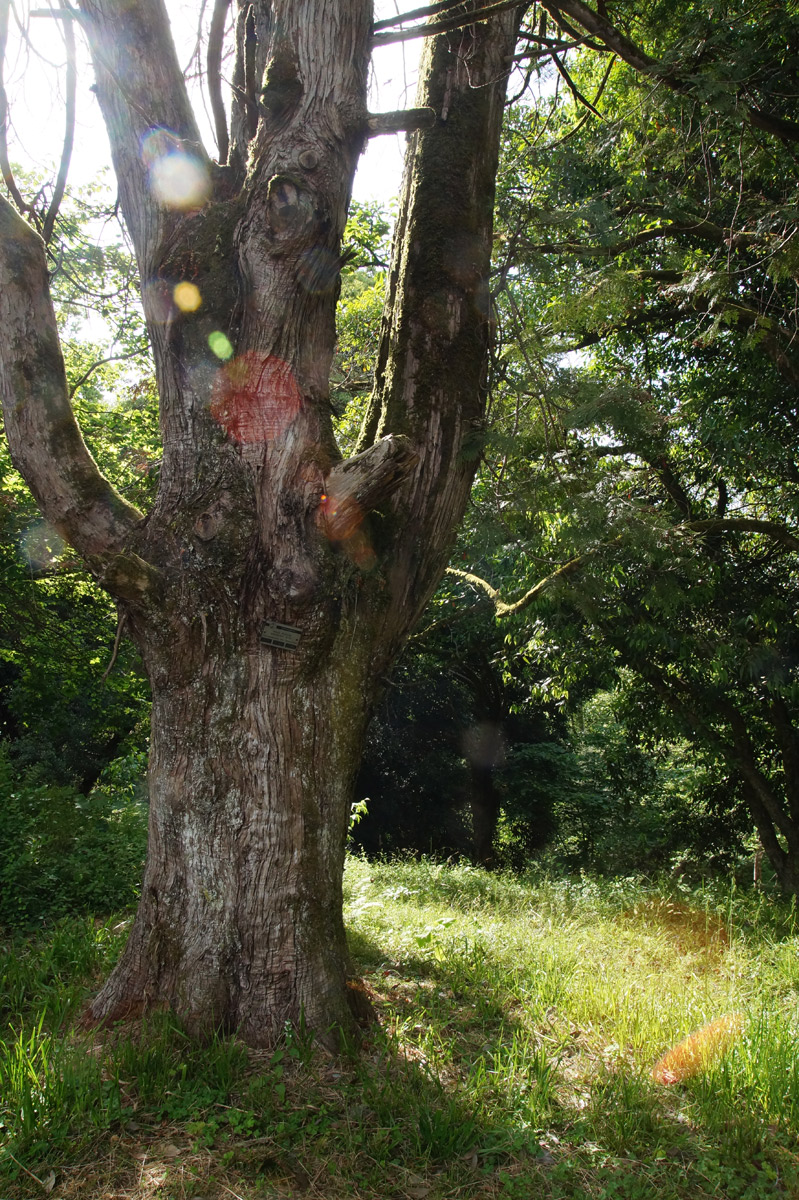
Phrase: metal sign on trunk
pixel 285 637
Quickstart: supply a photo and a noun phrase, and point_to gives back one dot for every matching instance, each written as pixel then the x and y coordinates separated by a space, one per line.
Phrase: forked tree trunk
pixel 261 537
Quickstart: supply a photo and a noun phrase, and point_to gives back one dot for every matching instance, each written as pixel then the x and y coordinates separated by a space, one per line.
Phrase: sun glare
pixel 177 179
pixel 187 296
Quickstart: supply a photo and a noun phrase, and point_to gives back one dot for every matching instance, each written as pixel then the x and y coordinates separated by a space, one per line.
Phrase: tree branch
pixel 141 89
pixel 504 608
pixel 361 483
pixel 572 86
pixel 101 362
pixel 700 228
pixel 773 338
pixel 416 14
pixel 5 165
pixel 601 28
pixel 128 577
pixel 69 130
pixel 216 37
pixel 660 315
pixel 45 442
pixel 404 120
pixel 772 529
pixel 616 41
pixel 445 26
pixel 671 484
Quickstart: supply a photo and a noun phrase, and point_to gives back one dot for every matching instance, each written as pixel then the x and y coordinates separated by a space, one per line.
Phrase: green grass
pixel 520 1020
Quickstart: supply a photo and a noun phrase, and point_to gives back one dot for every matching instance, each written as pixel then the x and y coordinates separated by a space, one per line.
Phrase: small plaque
pixel 285 637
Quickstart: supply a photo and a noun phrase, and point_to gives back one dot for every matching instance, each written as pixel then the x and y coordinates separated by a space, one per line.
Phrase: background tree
pixel 647 301
pixel 460 752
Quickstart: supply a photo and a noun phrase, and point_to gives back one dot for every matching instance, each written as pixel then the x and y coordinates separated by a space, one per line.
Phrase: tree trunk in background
pixel 265 599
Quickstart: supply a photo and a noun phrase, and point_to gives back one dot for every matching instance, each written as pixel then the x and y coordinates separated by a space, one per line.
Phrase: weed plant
pixel 519 1023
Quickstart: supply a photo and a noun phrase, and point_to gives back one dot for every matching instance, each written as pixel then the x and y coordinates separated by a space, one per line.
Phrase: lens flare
pixel 180 181
pixel 177 178
pixel 338 516
pixel 699 1050
pixel 255 397
pixel 41 547
pixel 187 297
pixel 220 345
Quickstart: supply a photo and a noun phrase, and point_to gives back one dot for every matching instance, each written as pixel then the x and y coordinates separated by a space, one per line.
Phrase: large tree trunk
pixel 251 766
pixel 266 602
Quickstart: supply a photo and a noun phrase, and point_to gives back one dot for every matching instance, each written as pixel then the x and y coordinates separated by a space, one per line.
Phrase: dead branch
pixel 405 120
pixel 447 25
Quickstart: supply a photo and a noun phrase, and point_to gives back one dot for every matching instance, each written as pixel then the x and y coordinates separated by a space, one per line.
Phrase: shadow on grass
pixel 600 1127
pixel 476 1083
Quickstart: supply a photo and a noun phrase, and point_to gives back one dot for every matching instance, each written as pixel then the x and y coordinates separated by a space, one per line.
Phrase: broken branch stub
pixel 359 484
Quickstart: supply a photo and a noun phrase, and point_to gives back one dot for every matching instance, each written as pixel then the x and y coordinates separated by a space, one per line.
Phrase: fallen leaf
pixel 169 1151
pixel 49 1183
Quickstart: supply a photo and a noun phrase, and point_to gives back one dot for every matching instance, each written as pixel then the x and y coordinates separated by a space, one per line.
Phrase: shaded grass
pixel 519 1023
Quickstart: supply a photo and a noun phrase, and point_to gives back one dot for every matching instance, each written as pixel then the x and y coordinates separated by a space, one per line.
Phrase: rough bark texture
pixel 257 520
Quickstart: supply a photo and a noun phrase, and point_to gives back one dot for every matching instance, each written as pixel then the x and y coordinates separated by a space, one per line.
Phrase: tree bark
pixel 272 584
pixel 251 766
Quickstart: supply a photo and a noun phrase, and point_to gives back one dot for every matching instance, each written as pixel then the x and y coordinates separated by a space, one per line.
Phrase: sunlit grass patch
pixel 596 983
pixel 520 1020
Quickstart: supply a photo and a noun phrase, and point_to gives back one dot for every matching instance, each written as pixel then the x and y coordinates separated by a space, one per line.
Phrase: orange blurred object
pixel 699 1050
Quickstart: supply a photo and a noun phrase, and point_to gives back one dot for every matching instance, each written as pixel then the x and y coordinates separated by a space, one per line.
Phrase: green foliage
pixel 366 239
pixel 365 255
pixel 62 720
pixel 358 322
pixel 63 714
pixel 63 852
pixel 636 804
pixel 644 427
pixel 93 281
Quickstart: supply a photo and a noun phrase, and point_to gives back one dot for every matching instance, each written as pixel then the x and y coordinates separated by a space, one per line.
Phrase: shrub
pixel 62 852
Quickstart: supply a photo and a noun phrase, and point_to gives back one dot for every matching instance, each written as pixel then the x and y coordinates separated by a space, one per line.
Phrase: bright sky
pixel 34 82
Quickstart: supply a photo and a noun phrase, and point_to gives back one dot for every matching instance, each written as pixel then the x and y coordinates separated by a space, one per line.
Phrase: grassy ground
pixel 519 1025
